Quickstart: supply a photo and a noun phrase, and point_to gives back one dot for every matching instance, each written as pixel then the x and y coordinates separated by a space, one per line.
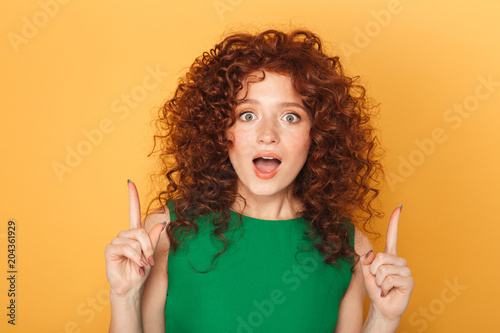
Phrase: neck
pixel 279 206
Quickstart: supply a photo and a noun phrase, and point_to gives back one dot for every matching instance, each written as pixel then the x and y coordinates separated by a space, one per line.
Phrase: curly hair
pixel 340 177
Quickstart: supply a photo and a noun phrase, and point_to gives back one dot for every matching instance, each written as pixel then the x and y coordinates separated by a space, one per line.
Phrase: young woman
pixel 270 167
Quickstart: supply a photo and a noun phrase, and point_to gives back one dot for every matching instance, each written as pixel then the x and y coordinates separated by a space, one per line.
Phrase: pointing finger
pixel 392 232
pixel 134 206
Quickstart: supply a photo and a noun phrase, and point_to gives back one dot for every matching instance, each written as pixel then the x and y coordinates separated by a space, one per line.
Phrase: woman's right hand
pixel 129 256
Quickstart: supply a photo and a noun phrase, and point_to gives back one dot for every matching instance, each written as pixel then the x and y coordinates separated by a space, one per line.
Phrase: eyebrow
pixel 282 104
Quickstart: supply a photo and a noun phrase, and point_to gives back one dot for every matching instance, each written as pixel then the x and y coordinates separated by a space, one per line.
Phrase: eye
pixel 291 118
pixel 247 116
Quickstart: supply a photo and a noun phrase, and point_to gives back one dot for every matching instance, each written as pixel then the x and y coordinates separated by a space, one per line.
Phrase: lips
pixel 266 165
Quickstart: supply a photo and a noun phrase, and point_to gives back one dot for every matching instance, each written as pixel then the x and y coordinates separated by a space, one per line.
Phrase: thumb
pixel 155 233
pixel 366 261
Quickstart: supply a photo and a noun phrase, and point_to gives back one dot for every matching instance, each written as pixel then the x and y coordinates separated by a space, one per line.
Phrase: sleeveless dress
pixel 264 281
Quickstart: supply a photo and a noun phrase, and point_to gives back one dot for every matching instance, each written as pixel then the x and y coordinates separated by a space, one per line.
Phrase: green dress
pixel 263 282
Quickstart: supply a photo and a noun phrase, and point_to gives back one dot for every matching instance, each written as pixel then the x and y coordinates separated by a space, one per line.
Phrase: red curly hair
pixel 340 177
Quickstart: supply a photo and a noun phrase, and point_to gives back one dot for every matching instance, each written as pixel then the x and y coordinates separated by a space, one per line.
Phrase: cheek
pixel 301 141
pixel 306 138
pixel 237 139
pixel 238 147
pixel 229 134
pixel 242 139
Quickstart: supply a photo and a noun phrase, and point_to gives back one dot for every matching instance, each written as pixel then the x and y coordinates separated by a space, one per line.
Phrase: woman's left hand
pixel 387 278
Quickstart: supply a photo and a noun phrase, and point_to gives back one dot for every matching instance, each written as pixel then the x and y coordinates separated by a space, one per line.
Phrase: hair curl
pixel 340 176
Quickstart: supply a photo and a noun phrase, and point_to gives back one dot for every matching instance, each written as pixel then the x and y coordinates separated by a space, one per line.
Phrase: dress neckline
pixel 249 218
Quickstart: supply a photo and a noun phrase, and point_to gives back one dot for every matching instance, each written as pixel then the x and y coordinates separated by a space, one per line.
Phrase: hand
pixel 130 255
pixel 387 278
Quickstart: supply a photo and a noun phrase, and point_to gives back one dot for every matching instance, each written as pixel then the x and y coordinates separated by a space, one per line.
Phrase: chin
pixel 267 190
pixel 260 187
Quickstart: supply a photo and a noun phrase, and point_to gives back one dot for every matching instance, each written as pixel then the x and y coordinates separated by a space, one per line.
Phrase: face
pixel 270 137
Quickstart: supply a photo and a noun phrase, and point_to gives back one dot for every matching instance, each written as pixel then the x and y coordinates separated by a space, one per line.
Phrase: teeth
pixel 268 158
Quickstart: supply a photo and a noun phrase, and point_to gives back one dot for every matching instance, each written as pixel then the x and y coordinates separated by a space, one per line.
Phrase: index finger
pixel 134 206
pixel 392 232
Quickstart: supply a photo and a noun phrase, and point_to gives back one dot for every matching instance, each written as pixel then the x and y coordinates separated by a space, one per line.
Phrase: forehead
pixel 276 90
pixel 268 83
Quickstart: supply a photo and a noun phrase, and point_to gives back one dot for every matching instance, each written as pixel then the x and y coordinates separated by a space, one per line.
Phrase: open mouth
pixel 266 164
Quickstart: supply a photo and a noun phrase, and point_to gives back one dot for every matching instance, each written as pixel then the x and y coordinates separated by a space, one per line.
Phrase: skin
pixel 271 119
pixel 386 279
pixel 136 267
pixel 138 284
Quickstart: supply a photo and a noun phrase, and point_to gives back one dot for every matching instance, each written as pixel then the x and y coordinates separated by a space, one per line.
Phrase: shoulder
pixel 362 243
pixel 160 215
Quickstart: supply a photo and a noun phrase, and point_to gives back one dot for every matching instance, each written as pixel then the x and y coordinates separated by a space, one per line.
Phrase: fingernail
pixel 164 224
pixel 368 254
pixel 141 271
pixel 128 180
pixel 151 260
pixel 382 294
pixel 143 263
pixel 400 208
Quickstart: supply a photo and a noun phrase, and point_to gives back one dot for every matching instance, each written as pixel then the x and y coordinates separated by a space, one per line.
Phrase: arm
pixel 142 309
pixel 388 282
pixel 350 317
pixel 127 268
pixel 125 313
pixel 386 279
pixel 154 295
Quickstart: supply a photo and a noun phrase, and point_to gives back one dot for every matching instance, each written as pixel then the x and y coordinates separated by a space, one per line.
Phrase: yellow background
pixel 66 75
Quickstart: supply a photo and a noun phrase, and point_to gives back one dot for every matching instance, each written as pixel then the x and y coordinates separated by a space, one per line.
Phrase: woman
pixel 270 162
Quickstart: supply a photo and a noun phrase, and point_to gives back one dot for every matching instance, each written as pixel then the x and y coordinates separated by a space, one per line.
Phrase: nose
pixel 267 133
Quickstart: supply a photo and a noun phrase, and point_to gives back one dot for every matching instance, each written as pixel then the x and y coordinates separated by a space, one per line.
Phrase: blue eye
pixel 291 118
pixel 247 116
